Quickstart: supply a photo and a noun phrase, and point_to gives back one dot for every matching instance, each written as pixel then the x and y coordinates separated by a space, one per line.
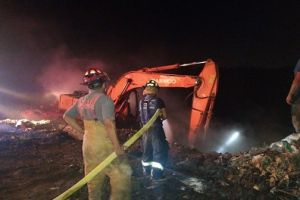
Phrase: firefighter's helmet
pixel 94 77
pixel 151 83
pixel 151 88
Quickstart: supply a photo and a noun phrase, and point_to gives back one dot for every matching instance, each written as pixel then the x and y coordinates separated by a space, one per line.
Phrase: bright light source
pixel 233 137
pixel 221 149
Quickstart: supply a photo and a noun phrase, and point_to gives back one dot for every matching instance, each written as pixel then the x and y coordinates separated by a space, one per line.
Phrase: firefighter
pixel 154 144
pixel 293 98
pixel 100 139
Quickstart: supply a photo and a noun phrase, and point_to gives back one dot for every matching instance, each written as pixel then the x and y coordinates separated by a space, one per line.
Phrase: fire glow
pixel 25 124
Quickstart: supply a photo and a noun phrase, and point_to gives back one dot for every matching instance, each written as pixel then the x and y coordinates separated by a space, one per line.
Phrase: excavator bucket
pixel 203 101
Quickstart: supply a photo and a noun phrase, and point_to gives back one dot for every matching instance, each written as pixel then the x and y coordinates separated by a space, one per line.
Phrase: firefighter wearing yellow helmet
pixel 154 144
pixel 100 139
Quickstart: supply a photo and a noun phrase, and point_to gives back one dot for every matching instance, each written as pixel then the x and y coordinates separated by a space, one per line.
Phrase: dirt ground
pixel 41 164
pixel 44 165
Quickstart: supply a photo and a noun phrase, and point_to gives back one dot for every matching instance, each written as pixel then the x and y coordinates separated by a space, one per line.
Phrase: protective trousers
pixel 295 111
pixel 155 150
pixel 96 148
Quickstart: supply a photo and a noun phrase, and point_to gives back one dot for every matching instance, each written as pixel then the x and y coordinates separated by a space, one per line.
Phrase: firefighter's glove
pixel 119 150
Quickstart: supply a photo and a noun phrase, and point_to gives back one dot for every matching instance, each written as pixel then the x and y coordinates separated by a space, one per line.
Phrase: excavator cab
pixel 127 111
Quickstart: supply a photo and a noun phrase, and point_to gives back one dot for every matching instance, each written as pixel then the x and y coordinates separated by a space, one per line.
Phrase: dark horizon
pixel 59 40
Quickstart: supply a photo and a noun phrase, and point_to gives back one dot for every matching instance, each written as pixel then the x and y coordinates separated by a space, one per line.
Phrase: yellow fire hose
pixel 108 160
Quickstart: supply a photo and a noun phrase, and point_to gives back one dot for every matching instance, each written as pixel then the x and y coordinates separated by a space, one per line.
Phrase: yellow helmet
pixel 151 87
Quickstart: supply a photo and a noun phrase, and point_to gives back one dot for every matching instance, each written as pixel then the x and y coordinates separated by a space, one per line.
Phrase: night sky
pixel 45 46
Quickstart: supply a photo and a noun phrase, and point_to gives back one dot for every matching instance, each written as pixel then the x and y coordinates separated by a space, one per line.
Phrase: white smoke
pixel 63 74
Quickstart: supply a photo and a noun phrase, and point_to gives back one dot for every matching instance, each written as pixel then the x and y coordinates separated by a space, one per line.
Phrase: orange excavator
pixel 126 97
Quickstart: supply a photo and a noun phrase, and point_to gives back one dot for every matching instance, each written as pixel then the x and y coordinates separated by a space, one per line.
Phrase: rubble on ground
pixel 268 172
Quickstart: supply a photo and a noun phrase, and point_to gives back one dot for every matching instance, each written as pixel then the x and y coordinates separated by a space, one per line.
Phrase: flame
pixel 25 124
pixel 20 121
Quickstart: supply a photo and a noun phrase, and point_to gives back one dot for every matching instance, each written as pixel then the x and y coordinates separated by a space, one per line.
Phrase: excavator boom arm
pixel 133 80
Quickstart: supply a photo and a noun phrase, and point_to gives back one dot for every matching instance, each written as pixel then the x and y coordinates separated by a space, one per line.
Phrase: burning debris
pixel 38 124
pixel 25 124
pixel 33 120
pixel 29 125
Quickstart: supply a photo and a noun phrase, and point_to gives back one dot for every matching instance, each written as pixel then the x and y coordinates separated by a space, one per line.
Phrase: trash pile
pixel 269 172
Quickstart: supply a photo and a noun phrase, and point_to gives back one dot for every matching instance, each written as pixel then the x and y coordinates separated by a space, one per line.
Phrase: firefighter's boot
pixel 147 170
pixel 157 175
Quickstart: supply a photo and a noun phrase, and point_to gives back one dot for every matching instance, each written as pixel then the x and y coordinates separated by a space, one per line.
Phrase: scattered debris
pixel 195 183
pixel 51 150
